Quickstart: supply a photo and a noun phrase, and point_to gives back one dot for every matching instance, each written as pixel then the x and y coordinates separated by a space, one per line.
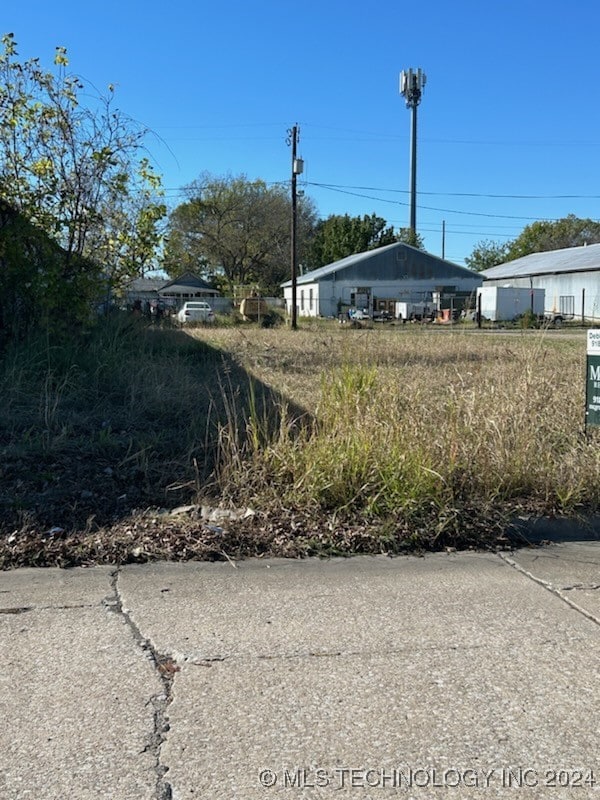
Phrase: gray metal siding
pixel 394 262
pixel 570 259
pixel 583 287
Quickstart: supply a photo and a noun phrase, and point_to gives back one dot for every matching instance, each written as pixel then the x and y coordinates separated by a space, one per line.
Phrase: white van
pixel 195 311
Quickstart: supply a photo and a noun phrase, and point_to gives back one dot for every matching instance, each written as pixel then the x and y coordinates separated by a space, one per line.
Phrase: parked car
pixel 358 314
pixel 195 311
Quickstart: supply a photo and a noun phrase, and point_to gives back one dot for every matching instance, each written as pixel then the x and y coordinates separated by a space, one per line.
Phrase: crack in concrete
pixel 550 588
pixel 199 660
pixel 68 607
pixel 582 586
pixel 166 668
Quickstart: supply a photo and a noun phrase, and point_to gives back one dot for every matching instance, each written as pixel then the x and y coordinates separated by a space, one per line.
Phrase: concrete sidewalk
pixel 463 675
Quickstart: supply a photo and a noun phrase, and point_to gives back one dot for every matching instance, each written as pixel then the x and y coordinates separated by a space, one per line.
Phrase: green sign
pixel 592 395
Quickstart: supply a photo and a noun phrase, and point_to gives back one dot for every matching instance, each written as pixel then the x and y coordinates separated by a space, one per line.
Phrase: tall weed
pixel 420 422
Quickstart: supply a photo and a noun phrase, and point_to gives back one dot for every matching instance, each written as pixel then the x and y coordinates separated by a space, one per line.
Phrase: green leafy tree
pixel 406 235
pixel 77 173
pixel 237 229
pixel 539 237
pixel 339 236
pixel 127 241
pixel 487 254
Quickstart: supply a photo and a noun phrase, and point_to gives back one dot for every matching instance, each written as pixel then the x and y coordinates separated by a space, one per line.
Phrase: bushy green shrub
pixel 41 287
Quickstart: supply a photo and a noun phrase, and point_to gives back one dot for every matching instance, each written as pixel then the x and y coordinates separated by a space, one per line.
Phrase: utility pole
pixel 443 238
pixel 412 83
pixel 297 167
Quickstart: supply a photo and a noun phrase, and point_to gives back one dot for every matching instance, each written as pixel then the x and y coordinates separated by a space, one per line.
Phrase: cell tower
pixel 412 83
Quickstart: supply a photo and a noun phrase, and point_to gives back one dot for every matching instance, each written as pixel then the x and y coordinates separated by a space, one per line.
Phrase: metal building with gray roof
pixel 570 277
pixel 379 278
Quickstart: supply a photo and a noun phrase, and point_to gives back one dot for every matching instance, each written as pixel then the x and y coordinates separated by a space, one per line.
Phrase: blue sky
pixel 509 124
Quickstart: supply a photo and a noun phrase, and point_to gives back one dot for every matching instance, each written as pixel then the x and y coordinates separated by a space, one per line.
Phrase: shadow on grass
pixel 123 419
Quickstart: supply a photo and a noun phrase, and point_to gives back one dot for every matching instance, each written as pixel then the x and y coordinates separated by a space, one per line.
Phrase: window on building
pixel 310 299
pixel 302 299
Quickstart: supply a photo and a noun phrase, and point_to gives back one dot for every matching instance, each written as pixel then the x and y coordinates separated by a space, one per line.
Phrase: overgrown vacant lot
pixel 338 440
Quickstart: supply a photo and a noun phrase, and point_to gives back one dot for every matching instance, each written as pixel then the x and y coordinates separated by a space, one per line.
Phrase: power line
pixel 342 189
pixel 430 194
pixel 432 208
pixel 378 135
pixel 492 143
pixel 470 194
pixel 467 233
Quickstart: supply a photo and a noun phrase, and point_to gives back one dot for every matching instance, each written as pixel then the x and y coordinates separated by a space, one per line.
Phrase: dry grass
pixel 411 415
pixel 407 431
